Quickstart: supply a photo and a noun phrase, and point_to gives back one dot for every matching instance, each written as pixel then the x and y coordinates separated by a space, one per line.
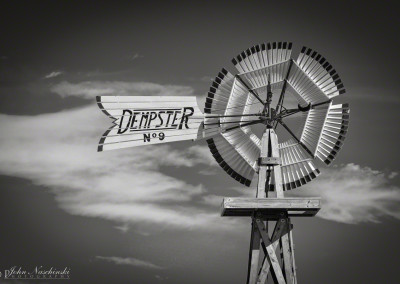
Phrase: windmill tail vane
pixel 143 120
pixel 234 103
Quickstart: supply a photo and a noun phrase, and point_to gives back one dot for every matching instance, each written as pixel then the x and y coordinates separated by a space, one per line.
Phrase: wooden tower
pixel 270 205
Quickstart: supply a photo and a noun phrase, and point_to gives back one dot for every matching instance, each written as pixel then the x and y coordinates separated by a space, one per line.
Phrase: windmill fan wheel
pixel 265 71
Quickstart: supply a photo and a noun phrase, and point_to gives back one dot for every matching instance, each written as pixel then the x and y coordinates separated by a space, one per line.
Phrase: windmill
pixel 255 100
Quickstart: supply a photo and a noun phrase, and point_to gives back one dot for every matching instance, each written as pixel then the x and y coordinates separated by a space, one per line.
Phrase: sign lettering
pixel 144 119
pixel 147 120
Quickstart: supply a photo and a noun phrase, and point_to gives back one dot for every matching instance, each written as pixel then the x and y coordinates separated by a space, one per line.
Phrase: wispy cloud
pixel 53 74
pixel 376 95
pixel 129 261
pixel 90 89
pixel 58 151
pixel 350 194
pixel 124 228
pixel 206 79
pixel 354 194
pixel 135 56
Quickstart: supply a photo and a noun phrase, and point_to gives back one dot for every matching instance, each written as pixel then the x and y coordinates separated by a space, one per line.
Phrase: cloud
pixel 206 79
pixel 208 172
pixel 53 74
pixel 160 278
pixel 59 151
pixel 353 194
pixel 124 228
pixel 130 186
pixel 376 95
pixel 129 261
pixel 135 56
pixel 90 89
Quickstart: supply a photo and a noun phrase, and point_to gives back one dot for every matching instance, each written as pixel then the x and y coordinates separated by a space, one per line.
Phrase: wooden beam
pixel 287 255
pixel 270 253
pixel 293 260
pixel 285 242
pixel 280 230
pixel 277 172
pixel 270 207
pixel 262 169
pixel 254 254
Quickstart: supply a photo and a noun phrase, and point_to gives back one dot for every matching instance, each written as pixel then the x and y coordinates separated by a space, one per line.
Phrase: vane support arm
pixel 250 90
pixel 288 112
pixel 295 137
pixel 233 115
pixel 281 97
pixel 244 124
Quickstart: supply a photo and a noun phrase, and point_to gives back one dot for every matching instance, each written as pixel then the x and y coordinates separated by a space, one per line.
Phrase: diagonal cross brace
pixel 281 229
pixel 270 253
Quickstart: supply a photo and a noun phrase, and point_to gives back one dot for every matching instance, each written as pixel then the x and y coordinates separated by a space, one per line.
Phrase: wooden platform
pixel 270 207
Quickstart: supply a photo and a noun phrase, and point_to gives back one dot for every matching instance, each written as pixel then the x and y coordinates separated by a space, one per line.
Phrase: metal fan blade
pixel 254 64
pixel 333 132
pixel 295 137
pixel 297 166
pixel 314 78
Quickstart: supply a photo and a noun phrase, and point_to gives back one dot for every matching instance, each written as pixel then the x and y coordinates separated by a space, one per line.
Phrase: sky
pixel 152 215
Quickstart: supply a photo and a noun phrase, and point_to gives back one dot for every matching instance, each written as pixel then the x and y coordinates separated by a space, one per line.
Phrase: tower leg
pixel 292 249
pixel 270 177
pixel 287 256
pixel 254 254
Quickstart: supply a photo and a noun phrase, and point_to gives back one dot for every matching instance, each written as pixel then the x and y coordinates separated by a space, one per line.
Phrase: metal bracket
pixel 269 161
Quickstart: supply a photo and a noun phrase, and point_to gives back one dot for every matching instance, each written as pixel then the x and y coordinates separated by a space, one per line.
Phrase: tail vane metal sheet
pixel 147 120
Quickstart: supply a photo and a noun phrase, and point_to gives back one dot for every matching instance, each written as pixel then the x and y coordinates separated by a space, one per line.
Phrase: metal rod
pixel 282 96
pixel 297 139
pixel 250 90
pixel 286 114
pixel 267 106
pixel 319 104
pixel 239 106
pixel 228 122
pixel 244 124
pixel 233 115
